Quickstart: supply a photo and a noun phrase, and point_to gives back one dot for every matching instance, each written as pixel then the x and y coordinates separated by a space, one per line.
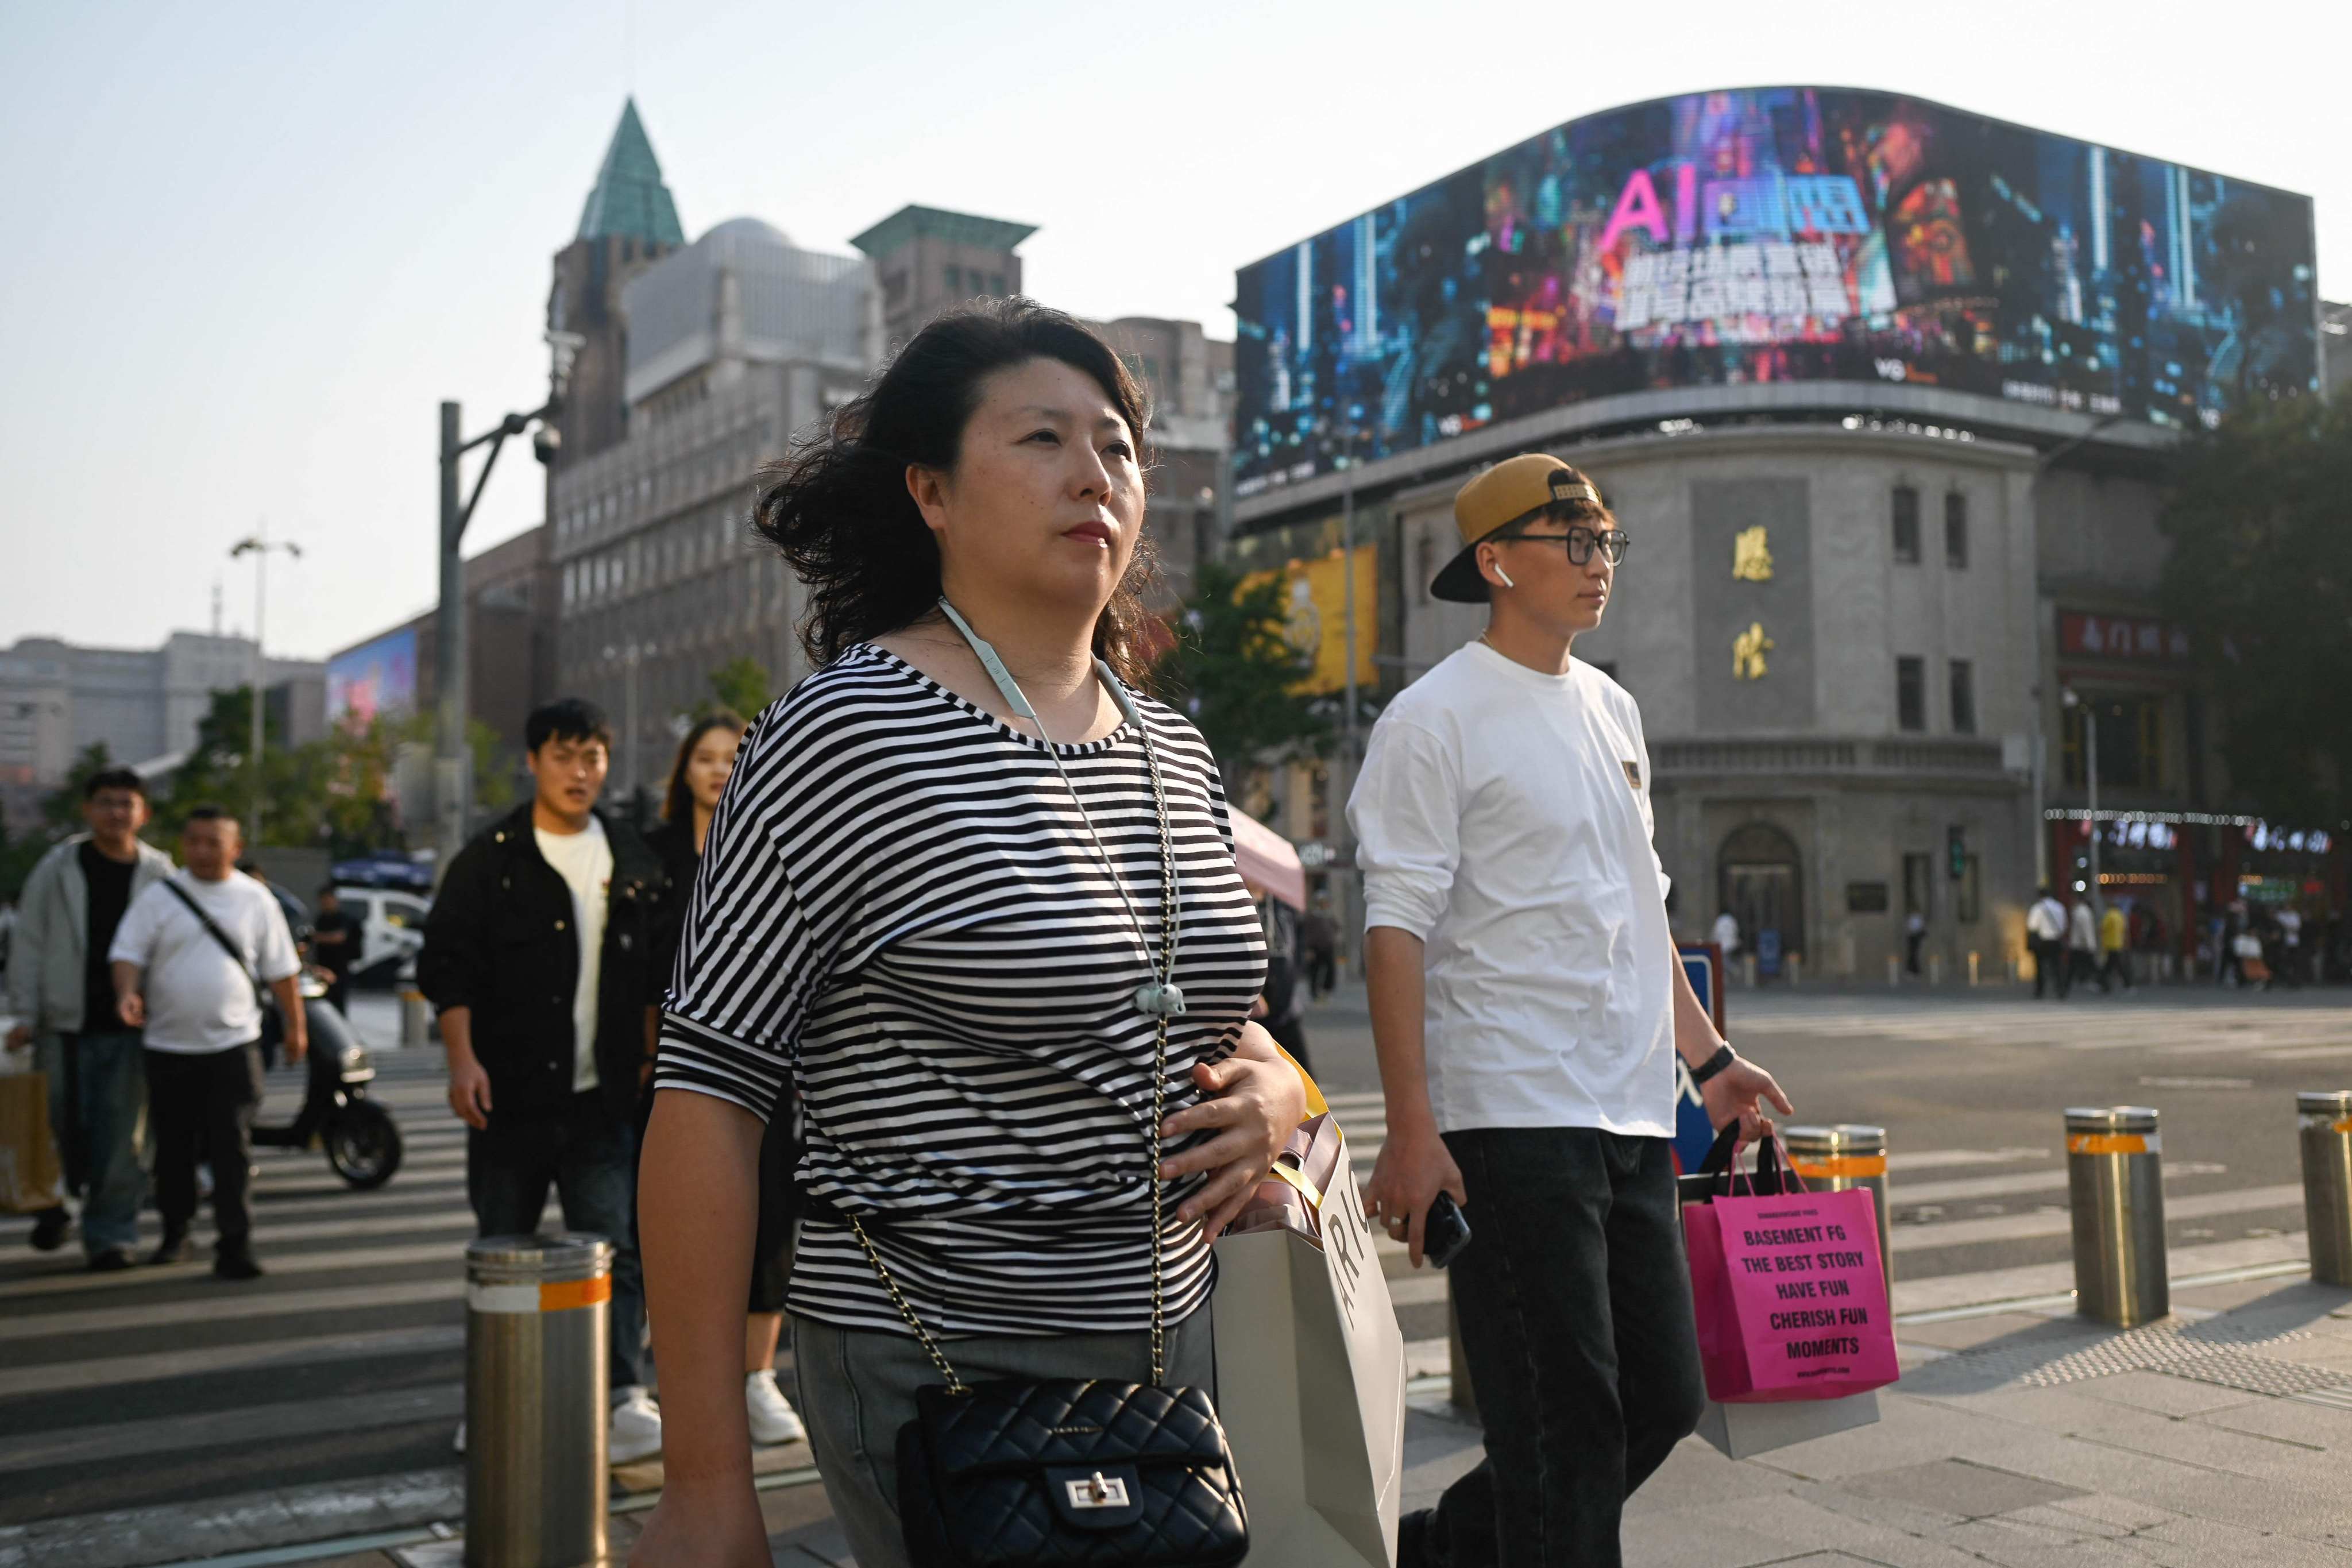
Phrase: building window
pixel 1964 697
pixel 1906 525
pixel 1956 532
pixel 955 279
pixel 996 284
pixel 1424 563
pixel 1911 693
pixel 2131 742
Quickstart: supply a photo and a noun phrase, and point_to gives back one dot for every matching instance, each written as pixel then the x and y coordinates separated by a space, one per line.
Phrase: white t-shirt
pixel 1726 934
pixel 1503 817
pixel 584 861
pixel 2046 921
pixel 199 1000
pixel 2082 929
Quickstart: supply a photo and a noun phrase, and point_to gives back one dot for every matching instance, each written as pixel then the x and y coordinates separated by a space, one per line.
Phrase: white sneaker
pixel 637 1428
pixel 773 1420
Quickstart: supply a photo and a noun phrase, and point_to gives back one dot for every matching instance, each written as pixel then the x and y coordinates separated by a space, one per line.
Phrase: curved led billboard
pixel 1774 234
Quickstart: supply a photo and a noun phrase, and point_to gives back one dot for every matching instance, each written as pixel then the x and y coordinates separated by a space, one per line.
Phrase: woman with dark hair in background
pixel 705 759
pixel 938 898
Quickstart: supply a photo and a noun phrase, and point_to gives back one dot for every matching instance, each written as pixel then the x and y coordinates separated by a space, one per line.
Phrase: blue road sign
pixel 1694 1134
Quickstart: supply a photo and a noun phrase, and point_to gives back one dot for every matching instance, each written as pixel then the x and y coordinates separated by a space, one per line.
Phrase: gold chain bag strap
pixel 1058 1473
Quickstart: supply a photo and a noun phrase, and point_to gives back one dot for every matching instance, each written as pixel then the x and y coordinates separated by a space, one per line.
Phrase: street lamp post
pixel 452 780
pixel 258 545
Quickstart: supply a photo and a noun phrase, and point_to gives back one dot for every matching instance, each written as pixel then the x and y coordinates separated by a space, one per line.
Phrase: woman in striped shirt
pixel 947 924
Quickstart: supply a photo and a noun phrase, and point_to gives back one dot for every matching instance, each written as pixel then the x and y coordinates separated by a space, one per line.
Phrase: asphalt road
pixel 345 1366
pixel 1970 1085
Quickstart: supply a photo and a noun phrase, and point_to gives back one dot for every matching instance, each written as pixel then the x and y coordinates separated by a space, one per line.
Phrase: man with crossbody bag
pixel 191 961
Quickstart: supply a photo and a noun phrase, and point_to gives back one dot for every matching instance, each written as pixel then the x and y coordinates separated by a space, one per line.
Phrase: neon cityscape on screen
pixel 1774 234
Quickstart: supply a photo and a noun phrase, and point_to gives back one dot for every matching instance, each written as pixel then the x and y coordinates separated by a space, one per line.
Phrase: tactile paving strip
pixel 2204 1353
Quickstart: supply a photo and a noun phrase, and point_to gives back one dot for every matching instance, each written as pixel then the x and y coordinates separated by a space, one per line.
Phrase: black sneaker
pixel 50 1229
pixel 113 1261
pixel 237 1264
pixel 174 1248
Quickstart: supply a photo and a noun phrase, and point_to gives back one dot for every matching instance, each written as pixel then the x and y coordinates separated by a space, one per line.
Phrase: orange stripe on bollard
pixel 1833 1166
pixel 565 1294
pixel 2107 1143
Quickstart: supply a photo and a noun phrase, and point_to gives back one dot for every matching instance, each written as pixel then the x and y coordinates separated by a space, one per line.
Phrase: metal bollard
pixel 1935 969
pixel 2326 1121
pixel 2115 1182
pixel 537 1328
pixel 1974 959
pixel 1894 969
pixel 1836 1159
pixel 1795 969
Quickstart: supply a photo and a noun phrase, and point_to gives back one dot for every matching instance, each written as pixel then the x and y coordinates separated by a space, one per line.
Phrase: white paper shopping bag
pixel 1310 1387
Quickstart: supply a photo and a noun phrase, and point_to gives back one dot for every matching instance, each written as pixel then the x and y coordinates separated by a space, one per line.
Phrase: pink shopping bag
pixel 1789 1293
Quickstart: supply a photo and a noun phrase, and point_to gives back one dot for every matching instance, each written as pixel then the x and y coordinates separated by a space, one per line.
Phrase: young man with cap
pixel 1527 1005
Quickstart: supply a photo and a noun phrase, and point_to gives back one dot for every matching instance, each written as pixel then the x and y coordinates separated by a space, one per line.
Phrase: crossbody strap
pixel 227 944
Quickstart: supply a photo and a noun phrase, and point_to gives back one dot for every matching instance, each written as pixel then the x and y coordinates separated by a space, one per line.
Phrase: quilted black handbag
pixel 1068 1472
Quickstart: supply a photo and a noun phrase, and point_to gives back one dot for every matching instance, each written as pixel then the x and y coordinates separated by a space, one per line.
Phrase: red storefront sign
pixel 2088 636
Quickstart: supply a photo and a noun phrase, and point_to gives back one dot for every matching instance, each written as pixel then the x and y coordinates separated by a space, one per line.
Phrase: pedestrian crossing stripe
pixel 555 1296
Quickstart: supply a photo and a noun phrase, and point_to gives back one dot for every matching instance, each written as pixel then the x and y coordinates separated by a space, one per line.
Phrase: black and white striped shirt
pixel 900 906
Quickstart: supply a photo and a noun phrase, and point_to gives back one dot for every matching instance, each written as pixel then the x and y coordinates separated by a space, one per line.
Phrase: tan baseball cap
pixel 1494 500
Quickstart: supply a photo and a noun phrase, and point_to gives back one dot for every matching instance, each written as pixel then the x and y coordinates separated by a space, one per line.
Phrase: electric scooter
pixel 361 1139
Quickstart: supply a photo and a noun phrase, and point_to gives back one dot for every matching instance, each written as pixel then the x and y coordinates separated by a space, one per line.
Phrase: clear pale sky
pixel 251 247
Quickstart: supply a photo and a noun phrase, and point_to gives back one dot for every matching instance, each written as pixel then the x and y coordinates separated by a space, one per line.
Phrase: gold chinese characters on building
pixel 1748 651
pixel 1751 556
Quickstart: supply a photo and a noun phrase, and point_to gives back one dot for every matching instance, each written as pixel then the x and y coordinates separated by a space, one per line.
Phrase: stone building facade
pixel 1851 614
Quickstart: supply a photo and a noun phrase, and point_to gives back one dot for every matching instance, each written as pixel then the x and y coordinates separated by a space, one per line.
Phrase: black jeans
pixel 202 1108
pixel 1575 1304
pixel 590 1157
pixel 2049 967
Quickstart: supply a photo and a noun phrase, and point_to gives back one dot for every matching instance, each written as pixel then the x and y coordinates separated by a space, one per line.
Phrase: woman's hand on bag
pixel 1255 1099
pixel 1412 1168
pixel 1737 1092
pixel 717 1527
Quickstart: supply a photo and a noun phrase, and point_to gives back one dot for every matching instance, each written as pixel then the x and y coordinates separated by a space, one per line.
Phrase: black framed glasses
pixel 1581 542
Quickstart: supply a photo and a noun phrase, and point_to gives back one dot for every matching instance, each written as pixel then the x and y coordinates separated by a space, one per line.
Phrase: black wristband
pixel 1724 1057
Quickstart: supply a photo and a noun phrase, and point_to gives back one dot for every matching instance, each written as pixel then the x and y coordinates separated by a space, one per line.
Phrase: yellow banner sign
pixel 1315 616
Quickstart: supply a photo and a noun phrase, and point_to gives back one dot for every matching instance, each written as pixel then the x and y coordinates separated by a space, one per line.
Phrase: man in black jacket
pixel 543 957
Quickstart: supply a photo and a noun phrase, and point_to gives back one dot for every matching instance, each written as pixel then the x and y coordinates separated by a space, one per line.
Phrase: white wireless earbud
pixel 1506 576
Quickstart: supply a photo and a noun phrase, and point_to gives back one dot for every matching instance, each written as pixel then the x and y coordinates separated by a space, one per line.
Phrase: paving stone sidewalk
pixel 2219 1438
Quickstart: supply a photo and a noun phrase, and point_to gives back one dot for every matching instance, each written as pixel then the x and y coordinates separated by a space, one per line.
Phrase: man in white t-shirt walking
pixel 190 960
pixel 1527 1005
pixel 2045 934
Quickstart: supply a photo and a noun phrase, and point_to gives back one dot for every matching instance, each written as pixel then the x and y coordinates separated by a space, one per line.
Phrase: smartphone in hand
pixel 1444 1233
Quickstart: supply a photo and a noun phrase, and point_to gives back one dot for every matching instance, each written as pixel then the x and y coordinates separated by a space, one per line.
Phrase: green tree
pixel 2260 572
pixel 1233 671
pixel 739 685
